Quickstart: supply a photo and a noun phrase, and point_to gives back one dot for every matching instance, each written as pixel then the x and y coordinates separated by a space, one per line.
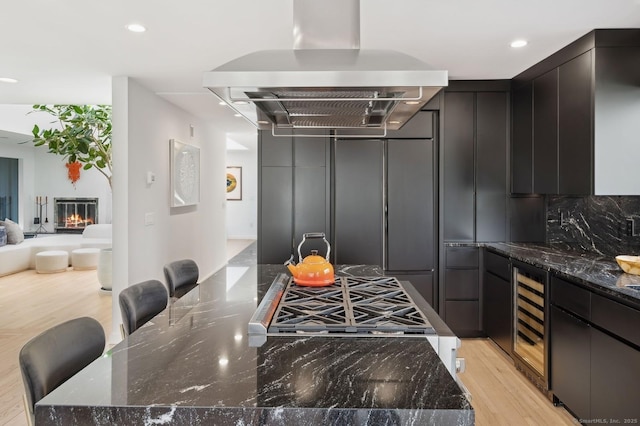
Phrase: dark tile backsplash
pixel 594 223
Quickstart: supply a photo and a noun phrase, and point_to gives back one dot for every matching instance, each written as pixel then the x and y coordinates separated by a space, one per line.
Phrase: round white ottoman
pixel 48 262
pixel 85 258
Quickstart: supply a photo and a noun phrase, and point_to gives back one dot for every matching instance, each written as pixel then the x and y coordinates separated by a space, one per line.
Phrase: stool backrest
pixel 53 356
pixel 141 302
pixel 181 273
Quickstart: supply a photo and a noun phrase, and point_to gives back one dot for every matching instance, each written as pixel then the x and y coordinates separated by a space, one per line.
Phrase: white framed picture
pixel 185 174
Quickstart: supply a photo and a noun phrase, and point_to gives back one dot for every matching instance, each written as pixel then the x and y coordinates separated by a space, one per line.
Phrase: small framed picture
pixel 234 183
pixel 185 174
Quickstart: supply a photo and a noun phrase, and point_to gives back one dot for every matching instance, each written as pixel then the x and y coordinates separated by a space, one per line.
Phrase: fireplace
pixel 72 215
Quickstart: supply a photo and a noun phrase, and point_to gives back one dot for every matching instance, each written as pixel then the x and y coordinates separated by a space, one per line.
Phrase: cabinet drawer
pixel 461 257
pixel 461 284
pixel 462 315
pixel 616 318
pixel 497 265
pixel 570 297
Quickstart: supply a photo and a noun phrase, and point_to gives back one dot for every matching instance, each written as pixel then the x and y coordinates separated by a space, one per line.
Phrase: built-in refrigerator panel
pixel 410 205
pixel 359 201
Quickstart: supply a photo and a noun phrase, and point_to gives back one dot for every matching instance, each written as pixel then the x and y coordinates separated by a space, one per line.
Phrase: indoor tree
pixel 83 135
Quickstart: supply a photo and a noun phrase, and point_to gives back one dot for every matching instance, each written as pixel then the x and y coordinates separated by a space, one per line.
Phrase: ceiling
pixel 66 51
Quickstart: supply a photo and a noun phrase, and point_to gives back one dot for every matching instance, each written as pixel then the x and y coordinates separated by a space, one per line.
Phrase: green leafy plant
pixel 84 135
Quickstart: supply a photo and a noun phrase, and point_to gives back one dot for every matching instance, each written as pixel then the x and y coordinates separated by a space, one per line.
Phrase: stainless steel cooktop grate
pixel 353 305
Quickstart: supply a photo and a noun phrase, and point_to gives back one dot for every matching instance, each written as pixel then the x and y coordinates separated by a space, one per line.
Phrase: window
pixel 9 188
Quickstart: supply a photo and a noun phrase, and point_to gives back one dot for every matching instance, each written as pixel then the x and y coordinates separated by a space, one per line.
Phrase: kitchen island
pixel 192 365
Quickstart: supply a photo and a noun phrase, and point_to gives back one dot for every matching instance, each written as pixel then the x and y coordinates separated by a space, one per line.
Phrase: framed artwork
pixel 234 183
pixel 185 174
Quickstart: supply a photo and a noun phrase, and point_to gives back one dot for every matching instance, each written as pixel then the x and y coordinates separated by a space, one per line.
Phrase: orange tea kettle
pixel 313 270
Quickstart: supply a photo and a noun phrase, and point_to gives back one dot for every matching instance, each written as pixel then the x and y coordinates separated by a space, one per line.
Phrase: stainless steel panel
pixel 327 24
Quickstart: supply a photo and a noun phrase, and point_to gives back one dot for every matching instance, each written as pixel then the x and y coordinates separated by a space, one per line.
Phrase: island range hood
pixel 326 81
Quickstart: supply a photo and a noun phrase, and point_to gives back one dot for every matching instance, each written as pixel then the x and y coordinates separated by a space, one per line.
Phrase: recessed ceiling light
pixel 8 80
pixel 136 28
pixel 412 102
pixel 394 122
pixel 237 115
pixel 241 102
pixel 519 43
pixel 222 103
pixel 263 122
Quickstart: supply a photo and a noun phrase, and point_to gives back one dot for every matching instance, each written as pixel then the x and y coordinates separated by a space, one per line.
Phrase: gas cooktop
pixel 351 307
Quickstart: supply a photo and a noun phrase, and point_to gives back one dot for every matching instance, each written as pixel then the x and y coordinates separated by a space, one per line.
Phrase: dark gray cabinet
pixel 594 357
pixel 545 133
pixel 522 140
pixel 293 195
pixel 571 362
pixel 580 116
pixel 474 188
pixel 615 371
pixel 497 307
pixel 462 291
pixel 474 171
pixel 458 173
pixel 491 166
pixel 575 125
pixel 552 131
pixel 275 236
pixel 359 198
pixel 384 200
pixel 410 206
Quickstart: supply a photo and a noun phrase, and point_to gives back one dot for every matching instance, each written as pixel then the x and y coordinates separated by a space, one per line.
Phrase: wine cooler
pixel 530 323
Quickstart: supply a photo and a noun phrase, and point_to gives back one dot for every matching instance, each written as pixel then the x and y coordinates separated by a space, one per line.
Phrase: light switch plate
pixel 149 219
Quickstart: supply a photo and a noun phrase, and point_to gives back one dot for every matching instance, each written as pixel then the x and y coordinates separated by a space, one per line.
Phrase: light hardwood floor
pixel 500 395
pixel 31 303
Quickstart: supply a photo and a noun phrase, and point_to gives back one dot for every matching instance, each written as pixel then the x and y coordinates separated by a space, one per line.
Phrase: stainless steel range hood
pixel 326 81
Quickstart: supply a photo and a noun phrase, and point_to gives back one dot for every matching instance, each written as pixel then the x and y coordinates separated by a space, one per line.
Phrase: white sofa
pixel 19 257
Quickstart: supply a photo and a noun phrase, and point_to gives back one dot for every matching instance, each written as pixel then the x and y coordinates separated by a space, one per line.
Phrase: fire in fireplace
pixel 72 215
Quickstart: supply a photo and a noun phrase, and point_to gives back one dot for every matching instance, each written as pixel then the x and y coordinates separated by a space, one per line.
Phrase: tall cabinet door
pixel 459 171
pixel 545 133
pixel 410 206
pixel 575 126
pixel 491 166
pixel 311 191
pixel 522 141
pixel 275 238
pixel 359 196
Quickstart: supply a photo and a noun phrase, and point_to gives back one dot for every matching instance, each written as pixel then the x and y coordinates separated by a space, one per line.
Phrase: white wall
pixel 143 124
pixel 242 215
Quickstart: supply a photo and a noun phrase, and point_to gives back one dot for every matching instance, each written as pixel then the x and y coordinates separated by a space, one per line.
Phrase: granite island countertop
pixel 192 365
pixel 599 273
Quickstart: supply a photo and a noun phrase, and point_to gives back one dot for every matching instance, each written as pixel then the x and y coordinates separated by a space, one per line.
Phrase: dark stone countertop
pixel 599 273
pixel 192 365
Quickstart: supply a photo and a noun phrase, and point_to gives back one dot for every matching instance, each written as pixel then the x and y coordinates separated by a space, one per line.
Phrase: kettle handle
pixel 311 235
